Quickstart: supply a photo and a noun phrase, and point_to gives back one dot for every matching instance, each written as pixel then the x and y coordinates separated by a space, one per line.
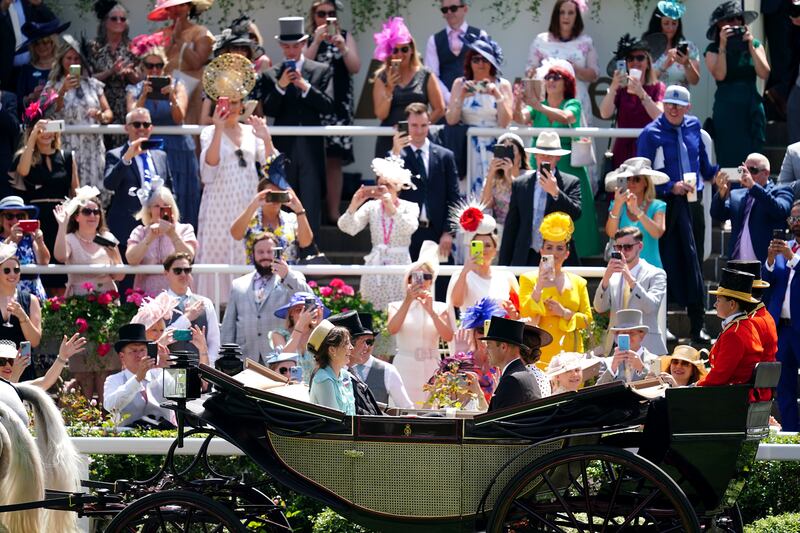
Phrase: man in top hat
pixel 780 270
pixel 504 342
pixel 674 144
pixel 631 364
pixel 298 92
pixel 445 50
pixel 534 195
pixel 765 324
pixel 136 392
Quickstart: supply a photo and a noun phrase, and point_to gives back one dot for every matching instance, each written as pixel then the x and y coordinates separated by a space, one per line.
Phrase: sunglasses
pixel 635 179
pixel 401 49
pixel 240 155
pixel 283 370
pixel 369 342
pixel 9 270
pixel 118 19
pixel 136 124
pixel 554 76
pixel 626 247
pixel 178 270
pixel 792 220
pixel 15 216
pixel 87 212
pixel 427 276
pixel 451 9
pixel 6 361
pixel 325 14
pixel 754 170
pixel 478 59
pixel 151 66
pixel 636 57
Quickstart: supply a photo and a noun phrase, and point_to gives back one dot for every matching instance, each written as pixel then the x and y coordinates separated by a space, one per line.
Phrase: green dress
pixel 587 237
pixel 740 133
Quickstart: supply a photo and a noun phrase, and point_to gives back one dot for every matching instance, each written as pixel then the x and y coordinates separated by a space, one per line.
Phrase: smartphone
pixel 683 48
pixel 290 64
pixel 54 126
pixel 622 183
pixel 166 213
pixel 108 242
pixel 332 26
pixel 310 303
pixel 622 66
pixel 616 254
pixel 546 267
pixel 654 367
pixel 277 197
pixel 417 277
pixel 182 335
pixel 277 253
pixel 402 127
pixel 152 350
pixel 28 226
pixel 224 104
pixel 25 348
pixel 249 107
pixel 545 166
pixel 777 234
pixel 734 174
pixel 624 341
pixel 152 144
pixel 157 83
pixel 476 252
pixel 296 373
pixel 502 151
pixel 75 71
pixel 395 65
pixel 373 191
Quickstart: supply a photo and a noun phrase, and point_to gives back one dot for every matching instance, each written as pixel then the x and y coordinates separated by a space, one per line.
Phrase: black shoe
pixel 701 337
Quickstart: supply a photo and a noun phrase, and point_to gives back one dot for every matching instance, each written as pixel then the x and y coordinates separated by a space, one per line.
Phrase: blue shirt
pixel 661 134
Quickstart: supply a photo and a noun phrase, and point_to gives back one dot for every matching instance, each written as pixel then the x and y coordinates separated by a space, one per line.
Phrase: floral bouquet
pixel 340 297
pixel 448 387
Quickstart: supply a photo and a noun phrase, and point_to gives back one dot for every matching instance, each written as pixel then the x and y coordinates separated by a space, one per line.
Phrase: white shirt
pixel 298 65
pixel 17 15
pixel 730 319
pixel 123 393
pixel 791 264
pixel 212 330
pixel 393 383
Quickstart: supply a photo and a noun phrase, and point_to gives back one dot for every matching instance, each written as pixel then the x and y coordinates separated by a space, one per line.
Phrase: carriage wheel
pixel 176 511
pixel 730 521
pixel 593 489
pixel 253 508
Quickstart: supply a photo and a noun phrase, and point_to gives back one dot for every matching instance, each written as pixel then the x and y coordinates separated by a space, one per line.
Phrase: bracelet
pixel 300 213
pixel 59 358
pixel 613 216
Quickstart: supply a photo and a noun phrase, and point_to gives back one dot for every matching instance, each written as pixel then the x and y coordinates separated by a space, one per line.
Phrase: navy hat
pixel 486 47
pixel 350 321
pixel 130 334
pixel 725 11
pixel 299 298
pixel 15 203
pixel 39 30
pixel 277 172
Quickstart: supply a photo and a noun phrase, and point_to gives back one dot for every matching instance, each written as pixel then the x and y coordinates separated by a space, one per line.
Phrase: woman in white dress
pixel 418 322
pixel 480 98
pixel 391 222
pixel 230 151
pixel 565 39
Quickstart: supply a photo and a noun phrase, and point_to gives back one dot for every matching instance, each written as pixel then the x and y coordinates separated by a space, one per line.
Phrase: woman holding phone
pixel 503 170
pixel 302 314
pixel 20 227
pixel 160 235
pixel 555 300
pixel 680 62
pixel 166 99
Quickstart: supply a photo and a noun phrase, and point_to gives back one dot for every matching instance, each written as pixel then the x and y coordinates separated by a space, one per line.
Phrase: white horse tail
pixel 21 474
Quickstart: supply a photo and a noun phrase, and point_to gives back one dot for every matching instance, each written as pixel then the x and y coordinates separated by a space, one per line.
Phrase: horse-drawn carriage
pixel 563 463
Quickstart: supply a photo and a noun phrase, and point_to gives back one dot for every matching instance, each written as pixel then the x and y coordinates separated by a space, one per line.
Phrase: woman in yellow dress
pixel 554 300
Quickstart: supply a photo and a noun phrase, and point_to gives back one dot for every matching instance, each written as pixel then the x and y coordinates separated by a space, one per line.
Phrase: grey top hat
pixel 628 319
pixel 291 30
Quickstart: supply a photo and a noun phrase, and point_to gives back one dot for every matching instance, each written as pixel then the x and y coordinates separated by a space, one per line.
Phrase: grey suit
pixel 248 323
pixel 790 168
pixel 647 296
pixel 647 359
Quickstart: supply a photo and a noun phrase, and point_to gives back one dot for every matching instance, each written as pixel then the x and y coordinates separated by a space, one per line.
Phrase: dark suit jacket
pixel 793 188
pixel 517 385
pixel 517 235
pixel 119 178
pixel 770 209
pixel 9 137
pixel 439 192
pixel 291 109
pixel 779 282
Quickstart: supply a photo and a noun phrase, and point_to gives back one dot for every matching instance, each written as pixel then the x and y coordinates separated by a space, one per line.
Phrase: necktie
pixel 539 205
pixel 423 173
pixel 748 206
pixel 361 371
pixel 147 172
pixel 686 165
pixel 795 247
pixel 182 302
pixel 626 293
pixel 455 42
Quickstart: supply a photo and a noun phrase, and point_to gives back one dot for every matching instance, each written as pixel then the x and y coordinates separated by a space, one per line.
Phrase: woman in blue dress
pixel 330 383
pixel 168 108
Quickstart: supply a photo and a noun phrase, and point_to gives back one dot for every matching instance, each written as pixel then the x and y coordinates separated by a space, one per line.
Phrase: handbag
pixel 190 82
pixel 582 153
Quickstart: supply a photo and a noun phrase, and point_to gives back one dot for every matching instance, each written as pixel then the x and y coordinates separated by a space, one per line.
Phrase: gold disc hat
pixel 229 75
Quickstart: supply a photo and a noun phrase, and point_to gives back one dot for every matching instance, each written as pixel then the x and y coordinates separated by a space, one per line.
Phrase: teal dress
pixel 333 391
pixel 587 238
pixel 740 133
pixel 650 252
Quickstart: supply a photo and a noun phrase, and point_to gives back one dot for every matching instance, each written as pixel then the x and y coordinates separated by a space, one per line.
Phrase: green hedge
pixel 773 486
pixel 785 523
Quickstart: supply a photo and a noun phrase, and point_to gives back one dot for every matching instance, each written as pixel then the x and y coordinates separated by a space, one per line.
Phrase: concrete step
pixel 331 239
pixel 678 324
pixel 777 133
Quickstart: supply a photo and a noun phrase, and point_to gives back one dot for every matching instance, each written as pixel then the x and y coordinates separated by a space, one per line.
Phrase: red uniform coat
pixel 735 354
pixel 767 331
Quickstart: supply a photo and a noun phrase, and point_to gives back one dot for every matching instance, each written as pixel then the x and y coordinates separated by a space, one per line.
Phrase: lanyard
pixel 387 235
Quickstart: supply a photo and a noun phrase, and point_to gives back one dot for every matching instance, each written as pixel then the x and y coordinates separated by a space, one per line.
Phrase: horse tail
pixel 60 459
pixel 21 475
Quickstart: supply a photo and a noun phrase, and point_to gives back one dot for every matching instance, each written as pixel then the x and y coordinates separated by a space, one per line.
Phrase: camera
pixel 780 235
pixel 54 126
pixel 622 183
pixel 166 213
pixel 310 303
pixel 28 226
pixel 277 197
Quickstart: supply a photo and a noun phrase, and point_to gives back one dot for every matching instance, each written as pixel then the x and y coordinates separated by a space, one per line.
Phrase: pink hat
pixel 160 11
pixel 154 309
pixel 394 32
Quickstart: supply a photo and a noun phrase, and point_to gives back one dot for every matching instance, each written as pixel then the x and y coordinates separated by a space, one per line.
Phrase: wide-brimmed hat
pixel 282 358
pixel 653 43
pixel 728 10
pixel 737 285
pixel 751 267
pixel 505 330
pixel 39 30
pixel 670 9
pixel 550 63
pixel 565 361
pixel 229 75
pixel 544 338
pixel 319 334
pixel 130 334
pixel 628 319
pixel 8 349
pixel 684 352
pixel 231 38
pixel 486 47
pixel 154 309
pixel 548 143
pixel 160 11
pixel 635 166
pixel 8 250
pixel 292 30
pixel 351 321
pixel 299 298
pixel 15 203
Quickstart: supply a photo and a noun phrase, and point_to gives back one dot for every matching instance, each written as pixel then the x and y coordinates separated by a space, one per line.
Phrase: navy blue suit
pixel 438 193
pixel 771 206
pixel 788 337
pixel 119 178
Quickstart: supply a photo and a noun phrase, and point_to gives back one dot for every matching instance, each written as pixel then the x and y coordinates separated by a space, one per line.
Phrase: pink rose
pixel 336 283
pixel 344 310
pixel 82 325
pixel 312 284
pixel 91 298
pixel 347 290
pixel 55 304
pixel 325 291
pixel 103 348
pixel 89 286
pixel 114 294
pixel 105 299
pixel 135 298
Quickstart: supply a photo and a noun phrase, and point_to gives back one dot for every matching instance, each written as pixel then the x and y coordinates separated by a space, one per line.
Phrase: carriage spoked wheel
pixel 592 489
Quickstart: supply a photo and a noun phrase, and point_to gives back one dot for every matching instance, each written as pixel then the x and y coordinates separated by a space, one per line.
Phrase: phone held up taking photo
pixel 476 252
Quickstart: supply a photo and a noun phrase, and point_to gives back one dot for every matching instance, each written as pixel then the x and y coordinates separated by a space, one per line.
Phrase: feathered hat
pixel 468 215
pixel 42 108
pixel 475 316
pixel 145 44
pixel 394 32
pixel 154 309
pixel 557 227
pixel 147 190
pixel 82 195
pixel 393 169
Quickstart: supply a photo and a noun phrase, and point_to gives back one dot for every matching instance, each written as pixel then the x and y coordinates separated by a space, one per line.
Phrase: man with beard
pixel 254 297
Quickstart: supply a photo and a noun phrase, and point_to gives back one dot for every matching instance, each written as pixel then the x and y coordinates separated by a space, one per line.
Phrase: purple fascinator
pixel 476 315
pixel 394 32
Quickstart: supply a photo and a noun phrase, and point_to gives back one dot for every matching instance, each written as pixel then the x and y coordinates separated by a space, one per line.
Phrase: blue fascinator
pixel 276 171
pixel 476 315
pixel 671 9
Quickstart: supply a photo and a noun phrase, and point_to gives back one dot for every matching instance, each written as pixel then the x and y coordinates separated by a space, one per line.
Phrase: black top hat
pixel 130 334
pixel 350 321
pixel 537 337
pixel 505 330
pixel 366 321
pixel 736 285
pixel 751 267
pixel 728 10
pixel 39 30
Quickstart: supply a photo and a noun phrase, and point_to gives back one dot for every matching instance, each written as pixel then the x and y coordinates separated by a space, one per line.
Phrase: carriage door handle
pixel 354 454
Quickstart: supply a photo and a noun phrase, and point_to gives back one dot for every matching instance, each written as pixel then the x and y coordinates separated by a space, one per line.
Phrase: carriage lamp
pixel 230 359
pixel 182 379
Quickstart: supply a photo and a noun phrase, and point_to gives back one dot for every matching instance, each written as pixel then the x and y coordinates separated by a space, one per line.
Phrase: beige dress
pixel 80 254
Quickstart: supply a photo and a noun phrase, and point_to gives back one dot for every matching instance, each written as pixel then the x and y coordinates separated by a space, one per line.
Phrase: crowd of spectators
pixel 240 197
